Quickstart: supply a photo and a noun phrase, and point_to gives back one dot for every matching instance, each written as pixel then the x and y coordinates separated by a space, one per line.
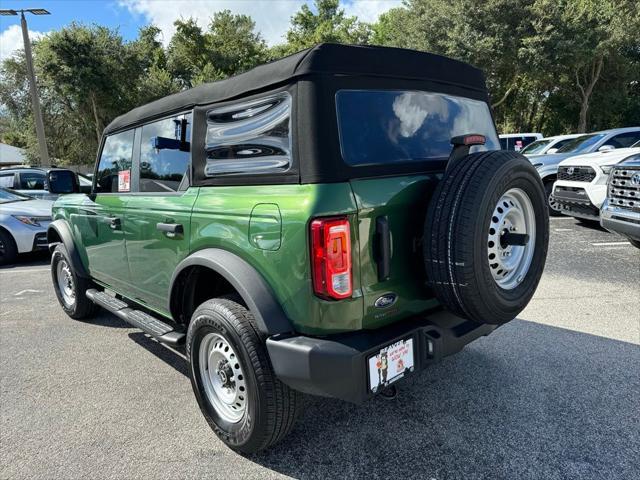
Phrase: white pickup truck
pixel 581 187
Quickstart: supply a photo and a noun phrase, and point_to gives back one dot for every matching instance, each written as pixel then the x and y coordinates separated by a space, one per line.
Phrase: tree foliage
pixel 554 66
pixel 547 61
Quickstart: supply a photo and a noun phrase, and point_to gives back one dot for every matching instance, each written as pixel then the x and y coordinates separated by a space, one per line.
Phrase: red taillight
pixel 331 257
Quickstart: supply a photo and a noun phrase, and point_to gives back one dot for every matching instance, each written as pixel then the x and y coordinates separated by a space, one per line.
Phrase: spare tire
pixel 486 236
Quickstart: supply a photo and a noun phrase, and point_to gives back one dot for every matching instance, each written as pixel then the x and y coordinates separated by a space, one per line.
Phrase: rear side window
pixel 382 127
pixel 165 156
pixel 7 180
pixel 114 169
pixel 249 137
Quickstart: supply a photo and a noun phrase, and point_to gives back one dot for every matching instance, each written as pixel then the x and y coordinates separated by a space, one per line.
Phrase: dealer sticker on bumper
pixel 390 364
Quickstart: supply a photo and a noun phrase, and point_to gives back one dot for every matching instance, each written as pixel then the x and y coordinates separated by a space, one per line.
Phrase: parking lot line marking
pixel 564 229
pixel 606 244
pixel 562 218
pixel 24 270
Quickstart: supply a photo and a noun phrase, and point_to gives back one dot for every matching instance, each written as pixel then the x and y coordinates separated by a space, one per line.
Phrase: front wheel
pixel 554 208
pixel 8 249
pixel 71 288
pixel 246 406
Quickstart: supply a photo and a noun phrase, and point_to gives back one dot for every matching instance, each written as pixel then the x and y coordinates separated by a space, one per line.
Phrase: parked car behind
pixel 33 181
pixel 620 212
pixel 517 141
pixel 581 187
pixel 548 145
pixel 23 224
pixel 547 165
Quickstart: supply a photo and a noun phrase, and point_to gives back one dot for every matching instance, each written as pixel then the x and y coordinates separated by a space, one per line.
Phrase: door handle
pixel 171 229
pixel 383 248
pixel 114 223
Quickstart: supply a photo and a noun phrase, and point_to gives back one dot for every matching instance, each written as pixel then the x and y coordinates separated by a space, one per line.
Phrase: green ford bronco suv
pixel 327 223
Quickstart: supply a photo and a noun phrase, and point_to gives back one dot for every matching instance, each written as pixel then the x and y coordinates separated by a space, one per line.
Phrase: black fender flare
pixel 59 231
pixel 249 284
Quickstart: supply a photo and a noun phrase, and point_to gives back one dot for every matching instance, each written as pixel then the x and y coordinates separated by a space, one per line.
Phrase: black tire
pixel 635 243
pixel 456 236
pixel 81 308
pixel 548 189
pixel 272 407
pixel 8 249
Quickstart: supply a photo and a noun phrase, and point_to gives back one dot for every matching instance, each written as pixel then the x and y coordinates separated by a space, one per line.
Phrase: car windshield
pixel 582 143
pixel 536 147
pixel 8 196
pixel 381 127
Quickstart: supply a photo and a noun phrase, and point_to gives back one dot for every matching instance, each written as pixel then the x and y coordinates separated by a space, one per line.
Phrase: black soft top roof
pixel 325 58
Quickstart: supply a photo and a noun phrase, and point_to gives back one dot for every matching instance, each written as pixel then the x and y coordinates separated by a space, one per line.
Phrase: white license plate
pixel 391 363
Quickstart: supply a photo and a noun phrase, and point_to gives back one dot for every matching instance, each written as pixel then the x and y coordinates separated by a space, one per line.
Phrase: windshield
pixel 581 144
pixel 536 147
pixel 8 196
pixel 381 127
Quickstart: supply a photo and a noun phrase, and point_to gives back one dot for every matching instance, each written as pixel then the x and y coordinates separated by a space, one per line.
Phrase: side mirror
pixel 606 148
pixel 62 181
pixel 551 151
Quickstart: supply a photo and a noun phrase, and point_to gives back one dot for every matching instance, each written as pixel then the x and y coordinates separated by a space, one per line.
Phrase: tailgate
pixel 401 202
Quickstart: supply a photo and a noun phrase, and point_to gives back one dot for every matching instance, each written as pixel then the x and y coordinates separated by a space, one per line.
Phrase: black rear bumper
pixel 336 366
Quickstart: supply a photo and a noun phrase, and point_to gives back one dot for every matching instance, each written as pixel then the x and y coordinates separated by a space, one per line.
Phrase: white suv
pixel 581 187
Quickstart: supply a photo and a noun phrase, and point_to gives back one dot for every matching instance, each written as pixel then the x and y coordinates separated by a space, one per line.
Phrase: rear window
pixel 382 127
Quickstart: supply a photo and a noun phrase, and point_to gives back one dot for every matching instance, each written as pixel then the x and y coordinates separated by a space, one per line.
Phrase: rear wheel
pixel 486 236
pixel 8 249
pixel 244 403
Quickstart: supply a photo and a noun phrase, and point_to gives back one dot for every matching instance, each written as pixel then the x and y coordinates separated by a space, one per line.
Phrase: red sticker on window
pixel 124 181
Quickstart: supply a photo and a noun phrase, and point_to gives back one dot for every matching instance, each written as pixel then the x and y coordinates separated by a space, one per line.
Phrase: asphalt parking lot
pixel 554 394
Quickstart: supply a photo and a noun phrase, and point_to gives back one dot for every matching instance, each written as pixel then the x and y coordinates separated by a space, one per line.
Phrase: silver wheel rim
pixel 509 264
pixel 223 380
pixel 65 283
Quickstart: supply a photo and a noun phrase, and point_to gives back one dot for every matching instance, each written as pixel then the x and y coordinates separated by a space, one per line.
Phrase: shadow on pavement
pixel 33 259
pixel 168 355
pixel 530 401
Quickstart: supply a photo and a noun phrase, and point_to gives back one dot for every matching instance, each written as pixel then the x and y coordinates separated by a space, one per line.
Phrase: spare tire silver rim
pixel 65 283
pixel 223 380
pixel 510 263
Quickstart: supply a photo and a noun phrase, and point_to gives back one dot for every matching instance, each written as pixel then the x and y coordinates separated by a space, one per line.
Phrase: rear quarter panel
pixel 221 217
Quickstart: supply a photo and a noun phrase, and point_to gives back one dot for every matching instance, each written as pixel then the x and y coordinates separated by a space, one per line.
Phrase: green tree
pixel 328 23
pixel 230 45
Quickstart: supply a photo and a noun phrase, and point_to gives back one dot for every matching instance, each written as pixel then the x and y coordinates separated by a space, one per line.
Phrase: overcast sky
pixel 271 16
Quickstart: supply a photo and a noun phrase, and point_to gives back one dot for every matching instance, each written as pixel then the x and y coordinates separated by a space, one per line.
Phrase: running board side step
pixel 156 328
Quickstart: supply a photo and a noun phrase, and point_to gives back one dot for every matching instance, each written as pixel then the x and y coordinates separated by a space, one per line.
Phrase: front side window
pixel 165 153
pixel 581 144
pixel 114 169
pixel 32 180
pixel 624 140
pixel 250 137
pixel 383 127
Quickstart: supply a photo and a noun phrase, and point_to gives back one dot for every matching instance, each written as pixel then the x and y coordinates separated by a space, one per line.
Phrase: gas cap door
pixel 265 226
